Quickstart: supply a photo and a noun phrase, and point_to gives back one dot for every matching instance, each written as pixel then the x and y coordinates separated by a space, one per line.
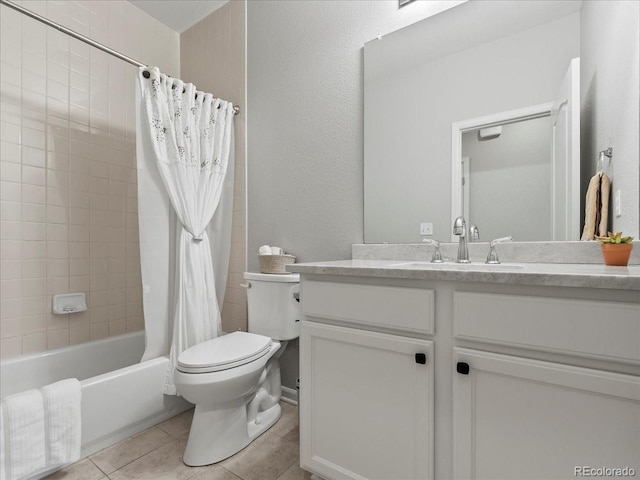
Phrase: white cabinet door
pixel 517 418
pixel 366 404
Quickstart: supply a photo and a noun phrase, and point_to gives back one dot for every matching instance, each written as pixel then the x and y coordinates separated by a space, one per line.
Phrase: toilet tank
pixel 273 304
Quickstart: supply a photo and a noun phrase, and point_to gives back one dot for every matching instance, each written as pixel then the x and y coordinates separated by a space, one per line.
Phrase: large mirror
pixel 438 92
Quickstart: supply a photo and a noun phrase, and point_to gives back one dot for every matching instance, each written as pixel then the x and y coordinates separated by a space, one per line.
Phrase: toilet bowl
pixel 234 380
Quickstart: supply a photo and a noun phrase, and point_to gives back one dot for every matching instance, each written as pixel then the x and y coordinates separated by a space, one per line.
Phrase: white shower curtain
pixel 184 145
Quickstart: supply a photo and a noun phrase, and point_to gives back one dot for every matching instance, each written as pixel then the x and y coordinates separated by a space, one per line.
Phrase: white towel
pixel 63 420
pixel 23 434
pixel 40 429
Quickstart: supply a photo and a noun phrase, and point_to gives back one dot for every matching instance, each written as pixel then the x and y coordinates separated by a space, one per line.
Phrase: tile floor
pixel 156 454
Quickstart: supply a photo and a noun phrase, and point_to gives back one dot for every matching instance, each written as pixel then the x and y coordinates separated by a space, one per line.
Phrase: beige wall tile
pixel 33 323
pixel 10 327
pixel 10 289
pixel 10 270
pixel 10 347
pixel 11 308
pixel 57 338
pixel 68 192
pixel 11 250
pixel 221 35
pixel 79 334
pixel 34 342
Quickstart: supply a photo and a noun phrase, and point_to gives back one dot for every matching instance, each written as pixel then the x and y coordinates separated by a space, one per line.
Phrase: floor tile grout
pixel 96 465
pixel 247 466
pixel 107 474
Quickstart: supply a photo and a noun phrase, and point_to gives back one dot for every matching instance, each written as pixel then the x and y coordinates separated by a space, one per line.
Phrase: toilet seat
pixel 223 353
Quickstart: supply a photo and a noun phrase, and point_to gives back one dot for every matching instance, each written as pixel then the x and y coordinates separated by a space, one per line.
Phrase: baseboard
pixel 289 395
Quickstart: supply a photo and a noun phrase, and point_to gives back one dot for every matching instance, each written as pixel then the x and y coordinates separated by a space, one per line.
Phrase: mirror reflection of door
pixel 508 186
pixel 521 169
pixel 565 156
pixel 466 182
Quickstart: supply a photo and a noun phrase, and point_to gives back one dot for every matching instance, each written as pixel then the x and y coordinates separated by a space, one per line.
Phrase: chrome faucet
pixel 474 233
pixel 437 256
pixel 492 257
pixel 460 229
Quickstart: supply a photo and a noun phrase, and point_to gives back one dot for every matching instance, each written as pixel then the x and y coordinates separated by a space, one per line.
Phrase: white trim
pixel 289 395
pixel 465 186
pixel 458 128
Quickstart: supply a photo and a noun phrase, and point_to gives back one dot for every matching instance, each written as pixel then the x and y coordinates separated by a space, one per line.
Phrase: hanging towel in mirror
pixel 596 209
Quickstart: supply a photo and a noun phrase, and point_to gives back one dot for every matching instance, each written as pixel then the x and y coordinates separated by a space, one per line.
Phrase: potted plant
pixel 616 249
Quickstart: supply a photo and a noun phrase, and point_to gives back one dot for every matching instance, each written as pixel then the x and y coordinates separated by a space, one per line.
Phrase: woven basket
pixel 275 263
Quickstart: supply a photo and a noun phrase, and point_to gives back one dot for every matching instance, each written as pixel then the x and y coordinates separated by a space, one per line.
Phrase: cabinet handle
pixel 421 358
pixel 462 368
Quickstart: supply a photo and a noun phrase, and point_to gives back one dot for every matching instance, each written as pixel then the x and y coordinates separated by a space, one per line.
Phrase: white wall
pixel 305 103
pixel 610 85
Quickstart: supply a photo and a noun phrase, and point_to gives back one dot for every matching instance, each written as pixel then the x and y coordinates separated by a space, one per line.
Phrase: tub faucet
pixel 460 229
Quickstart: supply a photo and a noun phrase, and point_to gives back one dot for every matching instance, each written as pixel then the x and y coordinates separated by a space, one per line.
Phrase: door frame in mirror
pixel 458 128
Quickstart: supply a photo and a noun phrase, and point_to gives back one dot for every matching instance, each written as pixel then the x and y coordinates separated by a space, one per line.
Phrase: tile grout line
pixel 288 467
pixel 289 427
pixel 97 466
pixel 171 438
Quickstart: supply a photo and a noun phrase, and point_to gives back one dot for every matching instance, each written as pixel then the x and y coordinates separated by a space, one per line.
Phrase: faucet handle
pixel 492 257
pixel 437 256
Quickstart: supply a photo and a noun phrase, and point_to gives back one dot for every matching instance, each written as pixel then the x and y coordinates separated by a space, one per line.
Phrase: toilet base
pixel 219 434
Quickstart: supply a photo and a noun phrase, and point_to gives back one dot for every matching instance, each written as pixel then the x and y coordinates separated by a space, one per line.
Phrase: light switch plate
pixel 616 204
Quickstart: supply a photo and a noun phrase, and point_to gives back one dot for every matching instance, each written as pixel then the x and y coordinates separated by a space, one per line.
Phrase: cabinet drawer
pixel 578 327
pixel 399 308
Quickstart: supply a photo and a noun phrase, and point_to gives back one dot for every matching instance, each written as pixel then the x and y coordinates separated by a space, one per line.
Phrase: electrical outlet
pixel 617 204
pixel 426 229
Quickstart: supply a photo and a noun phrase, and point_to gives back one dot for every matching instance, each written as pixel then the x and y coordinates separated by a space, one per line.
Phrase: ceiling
pixel 178 15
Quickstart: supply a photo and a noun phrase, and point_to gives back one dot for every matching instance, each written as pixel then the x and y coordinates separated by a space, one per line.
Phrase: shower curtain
pixel 185 182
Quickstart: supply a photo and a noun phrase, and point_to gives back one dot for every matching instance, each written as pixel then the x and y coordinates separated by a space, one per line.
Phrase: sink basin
pixel 483 267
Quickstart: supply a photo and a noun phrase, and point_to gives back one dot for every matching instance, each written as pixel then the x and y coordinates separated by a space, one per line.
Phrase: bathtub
pixel 120 396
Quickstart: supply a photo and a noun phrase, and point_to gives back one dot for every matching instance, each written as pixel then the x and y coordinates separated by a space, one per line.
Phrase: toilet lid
pixel 222 353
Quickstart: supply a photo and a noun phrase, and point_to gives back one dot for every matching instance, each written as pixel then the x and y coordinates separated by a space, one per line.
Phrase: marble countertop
pixel 545 274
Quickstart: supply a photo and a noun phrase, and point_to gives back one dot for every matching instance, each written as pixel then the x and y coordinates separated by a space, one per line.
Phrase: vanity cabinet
pixel 366 397
pixel 517 417
pixel 529 382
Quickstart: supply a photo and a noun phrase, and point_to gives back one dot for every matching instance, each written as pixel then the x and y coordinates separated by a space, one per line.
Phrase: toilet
pixel 234 380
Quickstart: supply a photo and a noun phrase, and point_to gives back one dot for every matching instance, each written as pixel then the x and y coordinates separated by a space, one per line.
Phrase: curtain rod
pixel 80 37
